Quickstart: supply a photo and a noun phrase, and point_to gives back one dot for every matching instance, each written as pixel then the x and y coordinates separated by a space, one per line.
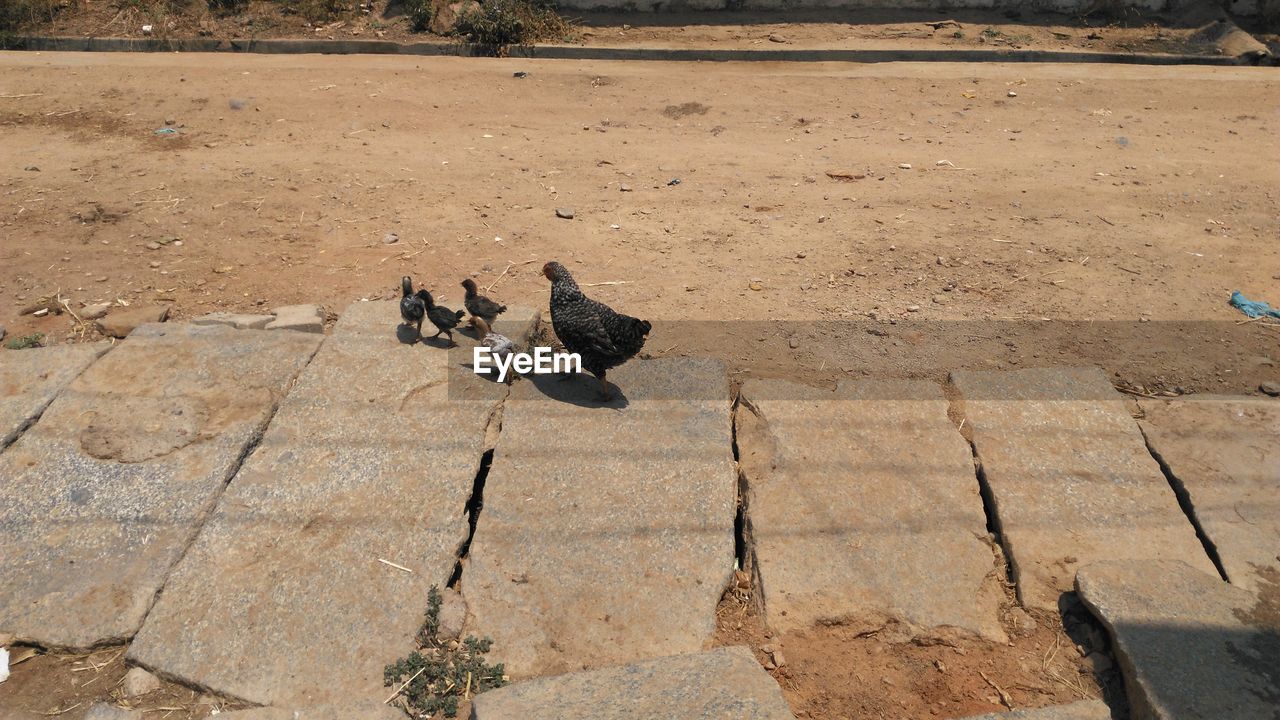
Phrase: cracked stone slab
pixel 1082 710
pixel 1190 646
pixel 1224 454
pixel 864 503
pixel 30 379
pixel 103 495
pixel 282 600
pixel 607 531
pixel 721 684
pixel 239 321
pixel 1071 478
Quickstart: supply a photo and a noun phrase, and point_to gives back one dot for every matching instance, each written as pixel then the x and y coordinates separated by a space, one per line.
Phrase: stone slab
pixel 607 531
pixel 864 503
pixel 30 379
pixel 372 456
pixel 1082 710
pixel 239 321
pixel 721 684
pixel 1190 646
pixel 1070 477
pixel 360 711
pixel 1224 454
pixel 105 493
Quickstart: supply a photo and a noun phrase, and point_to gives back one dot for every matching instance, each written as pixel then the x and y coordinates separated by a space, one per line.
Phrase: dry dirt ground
pixel 1047 214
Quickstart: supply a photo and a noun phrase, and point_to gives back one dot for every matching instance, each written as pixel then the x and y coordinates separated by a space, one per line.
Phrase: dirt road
pixel 871 207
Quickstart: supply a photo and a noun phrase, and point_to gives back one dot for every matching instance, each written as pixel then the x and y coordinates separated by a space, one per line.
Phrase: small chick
pixel 480 306
pixel 413 306
pixel 500 346
pixel 443 318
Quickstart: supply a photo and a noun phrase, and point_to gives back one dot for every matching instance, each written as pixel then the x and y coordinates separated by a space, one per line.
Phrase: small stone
pixel 756 284
pixel 624 188
pixel 794 343
pixel 913 308
pixel 153 245
pixel 778 659
pixel 940 299
pixel 800 255
pixel 93 312
pixel 942 260
pixel 103 711
pixel 1271 388
pixel 390 239
pixel 155 263
pixel 904 166
pixel 140 682
pixel 615 226
pixel 1022 623
pixel 1099 662
pixel 564 213
pixel 302 318
pixel 41 312
pixel 1013 94
pixel 120 322
pixel 31 168
pixel 169 121
pixel 775 37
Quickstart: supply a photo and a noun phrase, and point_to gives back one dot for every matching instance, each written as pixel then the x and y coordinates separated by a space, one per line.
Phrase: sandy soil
pixel 1048 212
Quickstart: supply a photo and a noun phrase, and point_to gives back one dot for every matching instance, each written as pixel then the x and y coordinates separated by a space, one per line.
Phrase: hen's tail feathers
pixel 406 286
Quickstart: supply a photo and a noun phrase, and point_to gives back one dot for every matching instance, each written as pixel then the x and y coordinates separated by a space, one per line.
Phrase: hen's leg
pixel 604 393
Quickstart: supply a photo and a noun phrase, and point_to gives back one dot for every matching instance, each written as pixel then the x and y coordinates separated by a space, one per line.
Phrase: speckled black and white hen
pixel 443 318
pixel 602 337
pixel 480 306
pixel 413 306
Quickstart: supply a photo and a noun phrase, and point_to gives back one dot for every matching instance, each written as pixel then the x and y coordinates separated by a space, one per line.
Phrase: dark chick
pixel 479 305
pixel 413 306
pixel 603 338
pixel 442 317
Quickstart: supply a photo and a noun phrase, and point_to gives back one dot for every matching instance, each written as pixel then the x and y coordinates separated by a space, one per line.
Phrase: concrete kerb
pixel 574 52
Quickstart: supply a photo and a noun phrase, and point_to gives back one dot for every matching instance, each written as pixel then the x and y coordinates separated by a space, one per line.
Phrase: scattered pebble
pixel 139 682
pixel 169 121
pixel 41 312
pixel 913 308
pixel 775 37
pixel 624 188
pixel 390 238
pixel 673 181
pixel 565 213
pixel 615 226
pixel 1013 94
pixel 1269 387
pixel 153 245
pixel 31 168
pixel 520 74
pixel 794 343
pixel 904 166
pixel 155 263
pixel 756 284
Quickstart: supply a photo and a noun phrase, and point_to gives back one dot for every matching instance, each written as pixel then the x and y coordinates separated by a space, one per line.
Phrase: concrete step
pixel 103 495
pixel 864 504
pixel 1070 477
pixel 607 531
pixel 283 599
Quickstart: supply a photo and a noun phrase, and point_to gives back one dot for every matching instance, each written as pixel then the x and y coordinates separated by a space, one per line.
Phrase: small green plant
pixel 992 33
pixel 26 341
pixel 498 24
pixel 420 14
pixel 434 677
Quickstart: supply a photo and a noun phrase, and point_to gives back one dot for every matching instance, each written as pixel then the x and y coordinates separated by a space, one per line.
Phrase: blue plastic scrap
pixel 1252 308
